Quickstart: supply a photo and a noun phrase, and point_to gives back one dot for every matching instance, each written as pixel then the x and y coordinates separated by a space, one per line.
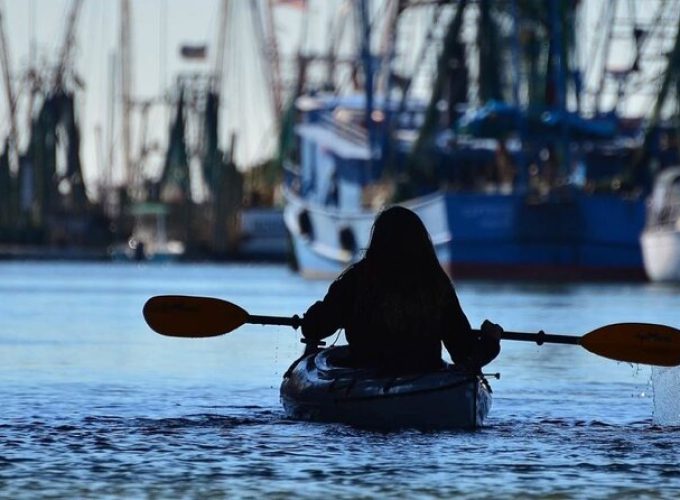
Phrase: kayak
pixel 320 387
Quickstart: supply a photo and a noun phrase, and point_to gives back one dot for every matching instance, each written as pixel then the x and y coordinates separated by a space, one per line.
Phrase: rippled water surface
pixel 94 404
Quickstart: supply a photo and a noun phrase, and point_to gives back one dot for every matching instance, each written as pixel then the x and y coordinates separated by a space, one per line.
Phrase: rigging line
pixel 337 31
pixel 102 56
pixel 224 27
pixel 90 50
pixel 437 12
pixel 600 32
pixel 388 48
pixel 237 85
pixel 231 107
pixel 265 139
pixel 162 46
pixel 606 53
pixel 345 83
pixel 225 70
pixel 258 94
pixel 53 43
pixel 264 56
pixel 657 25
pixel 31 34
pixel 304 31
pixel 379 15
pixel 261 60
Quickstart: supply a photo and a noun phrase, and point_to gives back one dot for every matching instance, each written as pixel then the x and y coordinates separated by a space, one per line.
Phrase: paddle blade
pixel 184 316
pixel 636 343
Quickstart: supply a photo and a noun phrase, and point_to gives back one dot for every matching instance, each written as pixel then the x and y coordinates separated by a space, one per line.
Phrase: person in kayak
pixel 397 305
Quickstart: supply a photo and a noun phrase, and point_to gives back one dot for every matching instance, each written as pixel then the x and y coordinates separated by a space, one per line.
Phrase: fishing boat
pixel 660 240
pixel 512 231
pixel 515 183
pixel 149 241
pixel 322 387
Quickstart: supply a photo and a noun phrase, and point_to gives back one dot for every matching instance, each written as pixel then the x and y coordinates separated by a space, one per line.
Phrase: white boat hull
pixel 326 241
pixel 661 254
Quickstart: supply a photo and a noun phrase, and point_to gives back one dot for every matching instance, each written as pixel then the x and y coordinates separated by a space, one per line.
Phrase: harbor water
pixel 96 405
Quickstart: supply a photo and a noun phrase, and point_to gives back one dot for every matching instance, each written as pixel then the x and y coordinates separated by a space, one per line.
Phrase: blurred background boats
pixel 516 161
pixel 158 196
pixel 149 240
pixel 527 135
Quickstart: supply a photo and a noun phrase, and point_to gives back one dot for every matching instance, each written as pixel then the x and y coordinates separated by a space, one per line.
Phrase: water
pixel 666 382
pixel 96 405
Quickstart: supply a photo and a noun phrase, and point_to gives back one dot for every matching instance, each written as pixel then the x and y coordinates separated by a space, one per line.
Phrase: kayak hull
pixel 315 388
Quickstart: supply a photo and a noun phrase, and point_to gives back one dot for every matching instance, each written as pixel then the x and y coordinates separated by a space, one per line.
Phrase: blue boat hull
pixel 509 236
pixel 583 237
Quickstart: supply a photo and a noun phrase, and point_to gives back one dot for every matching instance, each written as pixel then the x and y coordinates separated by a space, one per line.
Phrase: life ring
pixel 305 225
pixel 347 240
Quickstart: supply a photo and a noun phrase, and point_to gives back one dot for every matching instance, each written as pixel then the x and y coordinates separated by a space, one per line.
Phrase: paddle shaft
pixel 540 337
pixel 255 319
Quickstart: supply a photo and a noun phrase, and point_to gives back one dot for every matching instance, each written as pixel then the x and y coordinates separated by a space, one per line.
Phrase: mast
pixel 108 173
pixel 10 96
pixel 69 43
pixel 558 71
pixel 273 51
pixel 368 70
pixel 267 48
pixel 611 15
pixel 388 48
pixel 490 87
pixel 33 78
pixel 515 51
pixel 221 42
pixel 126 83
pixel 451 39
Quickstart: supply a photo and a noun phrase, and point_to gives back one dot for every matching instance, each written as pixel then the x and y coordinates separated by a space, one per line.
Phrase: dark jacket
pixel 397 329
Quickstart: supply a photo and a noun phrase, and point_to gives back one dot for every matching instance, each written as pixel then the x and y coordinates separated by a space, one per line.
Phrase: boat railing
pixel 350 131
pixel 291 175
pixel 668 215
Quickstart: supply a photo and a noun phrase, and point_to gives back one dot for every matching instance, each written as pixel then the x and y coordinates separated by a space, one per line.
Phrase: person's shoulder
pixel 346 283
pixel 353 275
pixel 445 286
pixel 352 272
pixel 441 278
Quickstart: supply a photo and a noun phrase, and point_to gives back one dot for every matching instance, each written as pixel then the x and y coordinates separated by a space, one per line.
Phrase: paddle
pixel 184 316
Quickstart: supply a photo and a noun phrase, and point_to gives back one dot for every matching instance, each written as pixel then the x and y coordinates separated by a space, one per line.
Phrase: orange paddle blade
pixel 646 343
pixel 185 316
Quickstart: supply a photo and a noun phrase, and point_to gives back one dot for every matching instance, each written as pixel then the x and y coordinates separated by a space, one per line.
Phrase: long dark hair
pixel 405 288
pixel 401 251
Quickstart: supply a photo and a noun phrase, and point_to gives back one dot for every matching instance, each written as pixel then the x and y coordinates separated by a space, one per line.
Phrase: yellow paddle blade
pixel 645 343
pixel 184 316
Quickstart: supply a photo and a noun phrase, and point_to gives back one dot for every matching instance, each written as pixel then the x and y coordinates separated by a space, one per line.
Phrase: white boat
pixel 318 387
pixel 149 241
pixel 326 239
pixel 660 239
pixel 143 249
